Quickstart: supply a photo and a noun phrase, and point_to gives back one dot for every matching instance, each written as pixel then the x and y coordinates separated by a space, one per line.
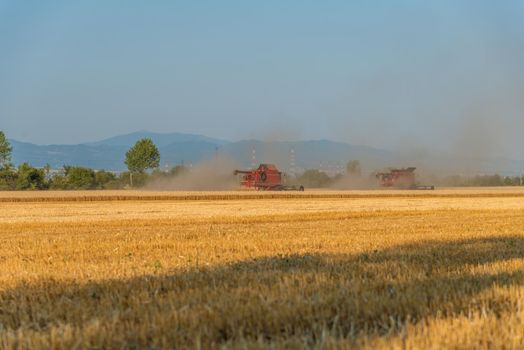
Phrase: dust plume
pixel 211 175
pixel 458 110
pixel 349 182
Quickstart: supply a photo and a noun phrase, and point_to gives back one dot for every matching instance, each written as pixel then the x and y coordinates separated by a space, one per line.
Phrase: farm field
pixel 322 269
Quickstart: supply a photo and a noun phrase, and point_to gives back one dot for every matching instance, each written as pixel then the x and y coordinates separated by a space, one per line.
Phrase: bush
pixel 58 182
pixel 8 177
pixel 104 179
pixel 30 178
pixel 80 178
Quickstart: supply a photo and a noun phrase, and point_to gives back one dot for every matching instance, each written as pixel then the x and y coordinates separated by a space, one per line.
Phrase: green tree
pixel 80 178
pixel 5 151
pixel 512 181
pixel 30 178
pixel 8 177
pixel 143 155
pixel 105 179
pixel 58 182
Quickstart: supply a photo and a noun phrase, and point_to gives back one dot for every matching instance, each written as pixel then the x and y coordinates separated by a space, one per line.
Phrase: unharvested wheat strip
pixel 257 196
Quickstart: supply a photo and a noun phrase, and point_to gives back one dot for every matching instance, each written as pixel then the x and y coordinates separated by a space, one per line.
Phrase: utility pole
pixel 253 158
pixel 292 162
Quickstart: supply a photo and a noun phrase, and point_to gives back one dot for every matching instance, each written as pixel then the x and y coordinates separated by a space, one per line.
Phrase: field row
pixel 229 211
pixel 130 195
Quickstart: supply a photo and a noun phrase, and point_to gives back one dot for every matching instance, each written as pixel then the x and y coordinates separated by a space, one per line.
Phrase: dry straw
pixel 311 272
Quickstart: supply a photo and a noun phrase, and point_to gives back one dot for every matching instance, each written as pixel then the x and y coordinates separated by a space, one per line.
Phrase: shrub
pixel 8 177
pixel 58 182
pixel 30 178
pixel 105 178
pixel 80 178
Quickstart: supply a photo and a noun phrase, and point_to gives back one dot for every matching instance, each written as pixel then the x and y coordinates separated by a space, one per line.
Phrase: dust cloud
pixel 459 111
pixel 216 174
pixel 349 182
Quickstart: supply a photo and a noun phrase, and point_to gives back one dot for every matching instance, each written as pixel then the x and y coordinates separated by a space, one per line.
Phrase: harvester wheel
pixel 301 188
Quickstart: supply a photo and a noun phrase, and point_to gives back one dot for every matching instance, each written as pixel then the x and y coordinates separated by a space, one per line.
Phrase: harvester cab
pixel 266 177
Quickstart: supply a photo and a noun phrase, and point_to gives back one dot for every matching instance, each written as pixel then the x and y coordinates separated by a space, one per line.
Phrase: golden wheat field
pixel 322 269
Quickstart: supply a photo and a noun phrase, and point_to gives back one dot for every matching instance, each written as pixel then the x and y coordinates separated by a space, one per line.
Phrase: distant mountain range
pixel 161 140
pixel 179 148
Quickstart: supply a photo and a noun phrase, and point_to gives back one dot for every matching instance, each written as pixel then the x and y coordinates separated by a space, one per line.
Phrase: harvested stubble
pixel 315 272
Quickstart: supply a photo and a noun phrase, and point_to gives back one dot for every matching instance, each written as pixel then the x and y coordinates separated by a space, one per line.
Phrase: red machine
pixel 267 177
pixel 401 178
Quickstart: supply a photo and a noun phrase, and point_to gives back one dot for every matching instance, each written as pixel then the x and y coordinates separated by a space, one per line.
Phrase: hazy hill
pixel 98 157
pixel 159 139
pixel 178 148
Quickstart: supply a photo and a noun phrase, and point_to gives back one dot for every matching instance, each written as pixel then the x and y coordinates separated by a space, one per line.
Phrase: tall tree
pixel 5 151
pixel 143 155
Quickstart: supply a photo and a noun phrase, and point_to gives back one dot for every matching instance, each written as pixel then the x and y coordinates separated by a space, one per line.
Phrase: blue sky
pixel 393 74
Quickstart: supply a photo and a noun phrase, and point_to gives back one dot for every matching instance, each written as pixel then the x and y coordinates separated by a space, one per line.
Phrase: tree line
pixel 142 156
pixel 143 160
pixel 481 181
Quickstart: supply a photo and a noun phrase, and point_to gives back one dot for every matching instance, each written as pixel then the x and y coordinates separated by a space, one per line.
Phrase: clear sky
pixel 391 74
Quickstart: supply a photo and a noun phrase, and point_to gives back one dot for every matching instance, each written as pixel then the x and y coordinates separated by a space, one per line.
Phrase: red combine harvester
pixel 401 178
pixel 266 178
